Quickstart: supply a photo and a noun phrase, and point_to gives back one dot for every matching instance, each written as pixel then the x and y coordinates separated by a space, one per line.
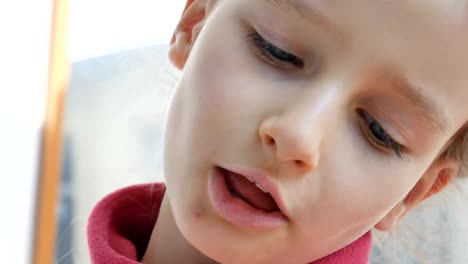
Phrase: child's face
pixel 344 105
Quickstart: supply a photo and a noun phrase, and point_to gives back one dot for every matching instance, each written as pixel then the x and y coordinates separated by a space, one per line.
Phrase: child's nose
pixel 292 140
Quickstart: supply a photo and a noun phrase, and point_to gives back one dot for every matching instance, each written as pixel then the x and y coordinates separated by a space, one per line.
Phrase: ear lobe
pixel 187 31
pixel 391 218
pixel 436 178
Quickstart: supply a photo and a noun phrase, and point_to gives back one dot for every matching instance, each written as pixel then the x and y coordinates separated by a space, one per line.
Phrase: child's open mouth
pixel 249 191
pixel 240 200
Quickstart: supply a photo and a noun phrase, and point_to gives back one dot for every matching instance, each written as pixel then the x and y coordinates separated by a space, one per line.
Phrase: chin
pixel 224 243
pixel 218 235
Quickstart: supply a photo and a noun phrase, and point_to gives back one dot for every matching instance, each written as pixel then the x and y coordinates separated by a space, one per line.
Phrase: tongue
pixel 251 193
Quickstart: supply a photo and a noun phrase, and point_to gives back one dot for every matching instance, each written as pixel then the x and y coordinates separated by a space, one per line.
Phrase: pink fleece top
pixel 121 224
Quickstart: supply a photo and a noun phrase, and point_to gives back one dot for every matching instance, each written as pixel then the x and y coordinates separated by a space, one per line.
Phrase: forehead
pixel 434 25
pixel 450 11
pixel 427 39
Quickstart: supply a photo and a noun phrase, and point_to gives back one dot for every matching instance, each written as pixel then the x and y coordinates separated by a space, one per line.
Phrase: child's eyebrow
pixel 435 120
pixel 308 12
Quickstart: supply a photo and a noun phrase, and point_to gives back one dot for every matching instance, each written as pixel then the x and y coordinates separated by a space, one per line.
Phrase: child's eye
pixel 376 135
pixel 274 55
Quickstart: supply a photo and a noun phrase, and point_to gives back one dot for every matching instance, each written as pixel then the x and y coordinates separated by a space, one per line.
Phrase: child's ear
pixel 187 30
pixel 434 180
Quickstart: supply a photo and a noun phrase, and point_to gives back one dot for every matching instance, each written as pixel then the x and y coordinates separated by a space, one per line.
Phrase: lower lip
pixel 235 210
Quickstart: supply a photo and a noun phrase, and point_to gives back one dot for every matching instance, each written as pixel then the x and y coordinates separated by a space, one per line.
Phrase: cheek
pixel 357 184
pixel 368 183
pixel 222 83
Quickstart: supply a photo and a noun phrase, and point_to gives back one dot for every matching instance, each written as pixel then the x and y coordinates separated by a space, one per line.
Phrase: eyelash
pixel 376 135
pixel 272 54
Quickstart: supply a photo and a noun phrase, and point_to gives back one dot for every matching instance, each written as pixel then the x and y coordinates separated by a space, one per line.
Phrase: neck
pixel 167 245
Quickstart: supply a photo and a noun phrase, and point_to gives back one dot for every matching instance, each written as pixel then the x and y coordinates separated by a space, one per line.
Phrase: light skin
pixel 349 121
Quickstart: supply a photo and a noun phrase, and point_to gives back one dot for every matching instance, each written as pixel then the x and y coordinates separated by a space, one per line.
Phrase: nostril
pixel 270 140
pixel 300 163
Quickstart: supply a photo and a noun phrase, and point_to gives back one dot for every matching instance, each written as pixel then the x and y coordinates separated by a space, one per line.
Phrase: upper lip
pixel 265 180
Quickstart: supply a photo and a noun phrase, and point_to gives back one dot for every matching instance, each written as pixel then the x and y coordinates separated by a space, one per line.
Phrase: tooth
pixel 250 179
pixel 260 187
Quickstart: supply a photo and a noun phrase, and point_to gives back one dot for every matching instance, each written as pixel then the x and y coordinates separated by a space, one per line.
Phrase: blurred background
pixel 120 86
pixel 97 28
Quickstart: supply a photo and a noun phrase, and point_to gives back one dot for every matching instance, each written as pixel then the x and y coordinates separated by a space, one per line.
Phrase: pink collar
pixel 121 224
